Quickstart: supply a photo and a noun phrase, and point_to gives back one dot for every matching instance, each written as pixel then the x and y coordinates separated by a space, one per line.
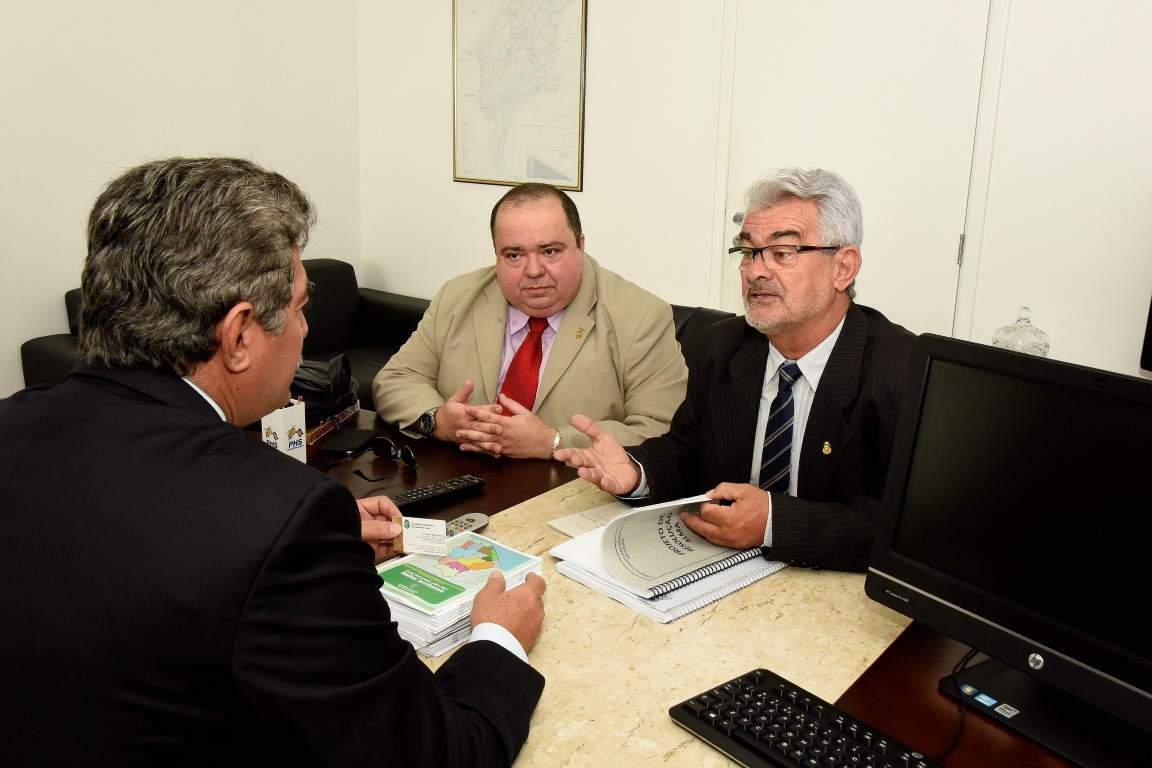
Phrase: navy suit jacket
pixel 177 592
pixel 847 440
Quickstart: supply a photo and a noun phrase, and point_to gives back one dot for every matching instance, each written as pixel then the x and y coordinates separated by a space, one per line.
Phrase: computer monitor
pixel 1017 519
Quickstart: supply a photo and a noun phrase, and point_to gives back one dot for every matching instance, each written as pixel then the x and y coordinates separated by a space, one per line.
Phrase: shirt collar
pixel 812 364
pixel 517 320
pixel 206 396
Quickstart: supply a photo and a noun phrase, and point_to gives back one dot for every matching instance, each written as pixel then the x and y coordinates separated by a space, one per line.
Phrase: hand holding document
pixel 431 596
pixel 648 559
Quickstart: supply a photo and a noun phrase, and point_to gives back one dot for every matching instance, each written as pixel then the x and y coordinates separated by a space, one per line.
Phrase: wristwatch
pixel 426 425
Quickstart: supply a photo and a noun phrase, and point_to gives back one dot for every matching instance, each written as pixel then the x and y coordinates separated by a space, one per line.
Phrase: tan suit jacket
pixel 615 358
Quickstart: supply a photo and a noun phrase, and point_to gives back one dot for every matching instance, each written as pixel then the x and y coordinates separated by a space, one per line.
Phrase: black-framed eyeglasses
pixel 775 256
pixel 386 449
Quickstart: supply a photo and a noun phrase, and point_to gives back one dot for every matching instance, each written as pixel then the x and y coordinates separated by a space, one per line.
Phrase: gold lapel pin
pixel 579 333
pixel 827 449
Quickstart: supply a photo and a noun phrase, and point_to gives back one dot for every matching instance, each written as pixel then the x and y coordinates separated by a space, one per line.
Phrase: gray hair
pixel 173 245
pixel 841 221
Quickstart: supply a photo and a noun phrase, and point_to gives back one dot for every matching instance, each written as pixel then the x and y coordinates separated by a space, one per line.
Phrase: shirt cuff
pixel 502 637
pixel 641 491
pixel 768 524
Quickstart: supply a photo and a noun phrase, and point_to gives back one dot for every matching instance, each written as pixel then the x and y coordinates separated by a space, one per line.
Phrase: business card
pixel 423 536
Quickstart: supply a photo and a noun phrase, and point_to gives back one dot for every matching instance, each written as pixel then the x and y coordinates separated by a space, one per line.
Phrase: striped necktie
pixel 776 460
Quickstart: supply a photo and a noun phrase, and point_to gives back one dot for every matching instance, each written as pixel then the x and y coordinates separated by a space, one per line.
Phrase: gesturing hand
pixel 605 463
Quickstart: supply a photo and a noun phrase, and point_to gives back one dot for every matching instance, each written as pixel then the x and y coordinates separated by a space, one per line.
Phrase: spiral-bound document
pixel 651 561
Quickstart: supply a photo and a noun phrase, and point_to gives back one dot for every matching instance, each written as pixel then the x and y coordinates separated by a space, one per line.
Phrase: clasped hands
pixel 499 429
pixel 737 519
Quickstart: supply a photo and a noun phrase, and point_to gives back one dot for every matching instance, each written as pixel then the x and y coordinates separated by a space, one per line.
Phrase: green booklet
pixel 442 586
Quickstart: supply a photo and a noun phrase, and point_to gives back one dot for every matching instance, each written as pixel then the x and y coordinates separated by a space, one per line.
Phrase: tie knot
pixel 537 324
pixel 789 372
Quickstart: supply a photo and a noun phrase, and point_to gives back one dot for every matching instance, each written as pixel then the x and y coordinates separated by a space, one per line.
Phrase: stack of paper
pixel 431 596
pixel 650 561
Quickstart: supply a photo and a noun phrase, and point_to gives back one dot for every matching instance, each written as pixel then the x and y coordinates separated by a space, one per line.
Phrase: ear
pixel 237 333
pixel 845 267
pixel 580 243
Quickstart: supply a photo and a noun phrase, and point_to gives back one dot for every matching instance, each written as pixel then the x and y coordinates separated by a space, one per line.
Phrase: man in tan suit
pixel 609 348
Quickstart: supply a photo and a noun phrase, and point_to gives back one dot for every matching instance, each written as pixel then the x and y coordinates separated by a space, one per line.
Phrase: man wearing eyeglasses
pixel 790 413
pixel 505 355
pixel 177 592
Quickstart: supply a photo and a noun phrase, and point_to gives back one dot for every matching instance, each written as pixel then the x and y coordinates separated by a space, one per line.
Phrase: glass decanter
pixel 1022 336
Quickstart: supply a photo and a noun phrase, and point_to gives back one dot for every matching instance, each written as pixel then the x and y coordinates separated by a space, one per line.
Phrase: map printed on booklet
pixel 430 596
pixel 436 584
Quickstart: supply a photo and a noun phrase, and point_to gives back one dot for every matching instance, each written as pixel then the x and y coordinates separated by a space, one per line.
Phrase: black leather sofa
pixel 46 360
pixel 690 323
pixel 366 324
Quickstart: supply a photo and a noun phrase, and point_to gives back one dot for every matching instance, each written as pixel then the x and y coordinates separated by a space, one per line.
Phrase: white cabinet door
pixel 885 93
pixel 1063 222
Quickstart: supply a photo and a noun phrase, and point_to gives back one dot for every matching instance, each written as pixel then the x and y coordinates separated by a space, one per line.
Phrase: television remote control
pixel 473 521
pixel 435 490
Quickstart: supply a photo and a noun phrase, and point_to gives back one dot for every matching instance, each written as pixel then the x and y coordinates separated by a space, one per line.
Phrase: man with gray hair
pixel 791 410
pixel 174 590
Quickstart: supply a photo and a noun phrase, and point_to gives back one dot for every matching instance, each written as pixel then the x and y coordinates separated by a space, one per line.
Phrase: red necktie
pixel 523 375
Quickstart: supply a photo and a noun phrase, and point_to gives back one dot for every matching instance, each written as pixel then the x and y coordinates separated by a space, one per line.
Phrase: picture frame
pixel 518 82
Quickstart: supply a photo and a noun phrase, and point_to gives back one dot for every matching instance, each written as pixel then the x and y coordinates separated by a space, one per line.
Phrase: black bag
pixel 327 388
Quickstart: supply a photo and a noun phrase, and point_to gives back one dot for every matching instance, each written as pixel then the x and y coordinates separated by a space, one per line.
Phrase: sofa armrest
pixel 388 319
pixel 72 307
pixel 47 360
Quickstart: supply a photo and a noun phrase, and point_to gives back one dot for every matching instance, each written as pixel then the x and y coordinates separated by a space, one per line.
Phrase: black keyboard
pixel 761 719
pixel 435 490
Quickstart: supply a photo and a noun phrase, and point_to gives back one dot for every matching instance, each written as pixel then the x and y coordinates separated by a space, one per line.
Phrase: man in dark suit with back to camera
pixel 174 590
pixel 802 474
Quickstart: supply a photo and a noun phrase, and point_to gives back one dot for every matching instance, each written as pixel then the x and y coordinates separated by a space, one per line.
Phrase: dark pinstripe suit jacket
pixel 831 523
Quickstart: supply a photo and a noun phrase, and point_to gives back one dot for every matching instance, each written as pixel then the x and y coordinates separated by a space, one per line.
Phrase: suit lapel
pixel 735 418
pixel 826 434
pixel 489 318
pixel 574 330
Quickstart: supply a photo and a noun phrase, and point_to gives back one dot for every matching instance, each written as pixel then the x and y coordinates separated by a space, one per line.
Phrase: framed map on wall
pixel 518 80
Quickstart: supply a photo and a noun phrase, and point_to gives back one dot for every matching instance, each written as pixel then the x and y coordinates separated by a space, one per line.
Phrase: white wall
pixel 896 120
pixel 1061 213
pixel 1056 138
pixel 653 124
pixel 90 89
pixel 353 100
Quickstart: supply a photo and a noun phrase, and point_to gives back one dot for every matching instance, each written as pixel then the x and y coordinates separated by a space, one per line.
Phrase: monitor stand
pixel 1069 727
